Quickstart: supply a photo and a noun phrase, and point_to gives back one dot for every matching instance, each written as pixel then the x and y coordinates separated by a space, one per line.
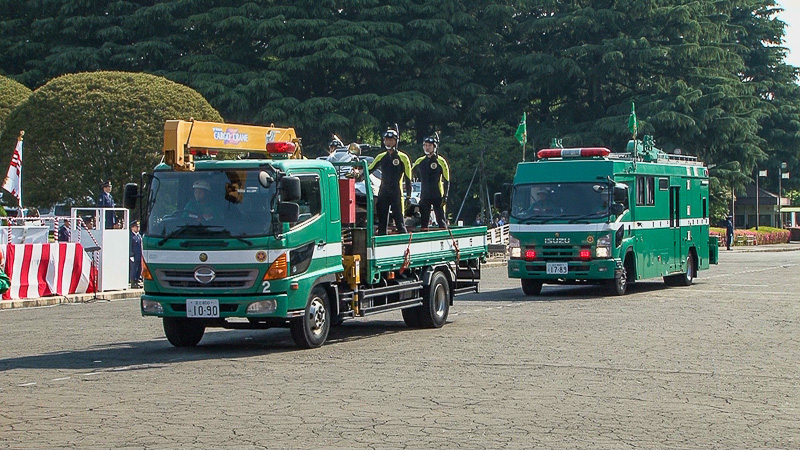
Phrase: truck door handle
pixel 321 244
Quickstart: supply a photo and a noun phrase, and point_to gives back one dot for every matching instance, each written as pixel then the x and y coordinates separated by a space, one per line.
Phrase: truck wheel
pixel 619 284
pixel 685 279
pixel 435 302
pixel 183 332
pixel 311 330
pixel 531 287
pixel 411 316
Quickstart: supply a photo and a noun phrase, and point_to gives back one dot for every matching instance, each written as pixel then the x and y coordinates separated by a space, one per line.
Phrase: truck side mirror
pixel 130 195
pixel 621 194
pixel 288 212
pixel 289 189
pixel 265 180
pixel 617 209
pixel 498 200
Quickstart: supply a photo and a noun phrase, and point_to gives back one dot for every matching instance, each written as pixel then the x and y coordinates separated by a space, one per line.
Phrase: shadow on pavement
pixel 555 292
pixel 216 344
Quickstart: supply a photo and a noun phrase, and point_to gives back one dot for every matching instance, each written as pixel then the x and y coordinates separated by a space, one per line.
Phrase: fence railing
pixel 498 235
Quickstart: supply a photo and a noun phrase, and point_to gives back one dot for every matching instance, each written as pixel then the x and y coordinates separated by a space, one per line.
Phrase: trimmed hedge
pixel 762 236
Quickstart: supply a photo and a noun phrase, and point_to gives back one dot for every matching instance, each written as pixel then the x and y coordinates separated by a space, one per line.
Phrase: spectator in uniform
pixel 395 169
pixel 106 201
pixel 729 232
pixel 136 255
pixel 434 175
pixel 64 233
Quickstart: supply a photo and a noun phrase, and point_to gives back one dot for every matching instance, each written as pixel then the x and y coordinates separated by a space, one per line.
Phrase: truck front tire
pixel 182 332
pixel 619 284
pixel 311 330
pixel 531 287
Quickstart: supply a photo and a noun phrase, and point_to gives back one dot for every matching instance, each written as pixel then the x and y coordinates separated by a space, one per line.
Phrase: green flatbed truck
pixel 272 242
pixel 587 215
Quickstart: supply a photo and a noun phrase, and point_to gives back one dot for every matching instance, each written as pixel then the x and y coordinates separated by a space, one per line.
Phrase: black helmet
pixel 431 140
pixel 390 133
pixel 336 143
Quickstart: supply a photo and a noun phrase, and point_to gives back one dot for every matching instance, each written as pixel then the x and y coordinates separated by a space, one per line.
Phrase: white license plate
pixel 202 308
pixel 556 268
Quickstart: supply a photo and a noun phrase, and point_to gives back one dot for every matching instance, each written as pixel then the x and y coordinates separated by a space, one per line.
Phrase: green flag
pixel 633 123
pixel 522 131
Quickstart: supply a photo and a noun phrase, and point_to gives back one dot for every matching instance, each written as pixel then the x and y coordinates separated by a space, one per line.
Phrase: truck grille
pixel 559 252
pixel 224 279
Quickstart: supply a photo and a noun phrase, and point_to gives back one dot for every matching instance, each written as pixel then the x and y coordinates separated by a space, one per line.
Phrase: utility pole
pixel 781 168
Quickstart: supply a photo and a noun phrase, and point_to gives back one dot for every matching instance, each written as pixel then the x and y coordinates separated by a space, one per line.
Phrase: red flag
pixel 13 181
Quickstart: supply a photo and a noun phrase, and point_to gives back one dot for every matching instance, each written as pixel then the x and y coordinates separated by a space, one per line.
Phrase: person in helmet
pixel 200 208
pixel 395 169
pixel 334 144
pixel 434 176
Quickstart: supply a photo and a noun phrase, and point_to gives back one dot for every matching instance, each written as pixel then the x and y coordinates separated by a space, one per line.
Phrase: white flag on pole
pixel 13 181
pixel 762 173
pixel 785 175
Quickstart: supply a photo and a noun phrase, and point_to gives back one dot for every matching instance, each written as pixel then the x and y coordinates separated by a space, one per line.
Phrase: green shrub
pixel 83 128
pixel 11 95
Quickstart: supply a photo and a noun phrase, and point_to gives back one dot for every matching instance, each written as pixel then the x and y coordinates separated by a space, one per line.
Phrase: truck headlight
pixel 513 247
pixel 151 307
pixel 262 307
pixel 603 249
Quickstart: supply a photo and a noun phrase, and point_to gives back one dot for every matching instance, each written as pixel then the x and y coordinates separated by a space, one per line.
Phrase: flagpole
pixel 523 152
pixel 21 134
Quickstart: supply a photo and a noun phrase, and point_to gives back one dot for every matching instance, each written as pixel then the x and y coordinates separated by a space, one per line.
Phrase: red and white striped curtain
pixel 39 270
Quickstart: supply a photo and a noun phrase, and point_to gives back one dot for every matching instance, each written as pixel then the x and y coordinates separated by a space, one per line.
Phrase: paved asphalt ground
pixel 716 365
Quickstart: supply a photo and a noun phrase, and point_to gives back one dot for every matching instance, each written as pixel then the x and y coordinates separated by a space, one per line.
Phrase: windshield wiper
pixel 176 232
pixel 241 239
pixel 596 215
pixel 541 219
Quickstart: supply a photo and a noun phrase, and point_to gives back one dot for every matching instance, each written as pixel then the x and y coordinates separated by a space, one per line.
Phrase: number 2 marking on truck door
pixel 264 287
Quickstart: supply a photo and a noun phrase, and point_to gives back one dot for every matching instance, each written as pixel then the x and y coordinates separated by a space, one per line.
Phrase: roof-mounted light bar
pixel 587 152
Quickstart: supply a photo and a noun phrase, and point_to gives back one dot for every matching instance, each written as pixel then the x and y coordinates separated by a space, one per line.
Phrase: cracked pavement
pixel 713 365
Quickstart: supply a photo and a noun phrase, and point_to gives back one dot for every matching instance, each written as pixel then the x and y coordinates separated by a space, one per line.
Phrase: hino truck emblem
pixel 204 275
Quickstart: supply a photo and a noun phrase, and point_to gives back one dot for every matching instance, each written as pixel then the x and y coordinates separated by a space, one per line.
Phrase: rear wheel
pixel 311 330
pixel 182 332
pixel 435 302
pixel 686 278
pixel 531 287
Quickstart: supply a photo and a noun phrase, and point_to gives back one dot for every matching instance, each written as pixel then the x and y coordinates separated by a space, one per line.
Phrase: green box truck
pixel 587 215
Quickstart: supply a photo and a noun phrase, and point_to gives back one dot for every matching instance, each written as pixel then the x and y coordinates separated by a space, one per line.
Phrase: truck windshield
pixel 209 204
pixel 568 201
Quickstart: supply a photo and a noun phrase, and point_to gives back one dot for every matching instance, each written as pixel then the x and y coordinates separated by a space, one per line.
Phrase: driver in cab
pixel 200 208
pixel 541 202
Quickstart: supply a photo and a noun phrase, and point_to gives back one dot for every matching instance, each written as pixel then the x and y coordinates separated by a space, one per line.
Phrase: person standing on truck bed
pixel 394 165
pixel 434 175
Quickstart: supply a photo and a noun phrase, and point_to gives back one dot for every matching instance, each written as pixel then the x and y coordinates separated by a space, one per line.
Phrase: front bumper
pixel 595 269
pixel 229 306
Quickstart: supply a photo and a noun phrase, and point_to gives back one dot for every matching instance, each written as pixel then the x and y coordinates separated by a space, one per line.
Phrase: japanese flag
pixel 13 181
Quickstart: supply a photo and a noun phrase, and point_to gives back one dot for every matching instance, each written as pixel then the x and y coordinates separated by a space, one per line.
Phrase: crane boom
pixel 183 138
